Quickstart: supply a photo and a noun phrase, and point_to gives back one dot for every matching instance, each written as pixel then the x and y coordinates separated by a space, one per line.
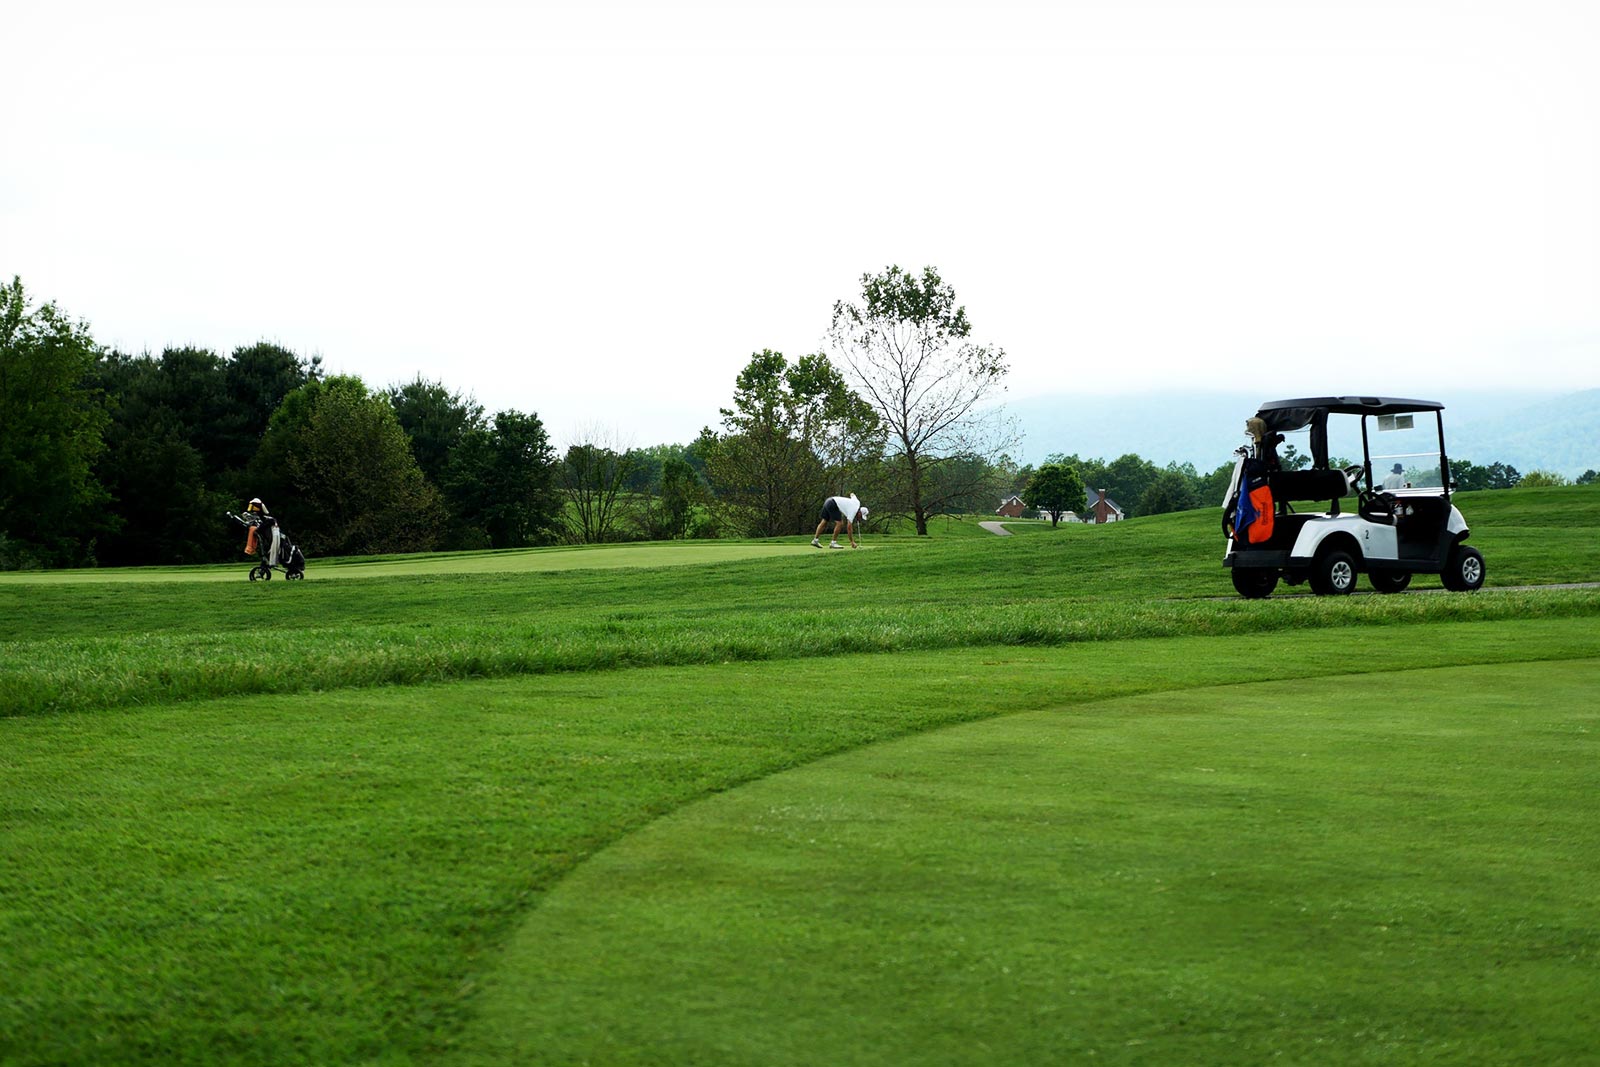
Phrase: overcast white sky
pixel 597 211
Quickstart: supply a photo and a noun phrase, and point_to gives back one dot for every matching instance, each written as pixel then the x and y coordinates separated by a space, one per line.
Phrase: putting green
pixel 1390 868
pixel 588 557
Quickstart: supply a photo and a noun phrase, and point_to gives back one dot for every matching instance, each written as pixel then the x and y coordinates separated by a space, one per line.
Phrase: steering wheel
pixel 1353 475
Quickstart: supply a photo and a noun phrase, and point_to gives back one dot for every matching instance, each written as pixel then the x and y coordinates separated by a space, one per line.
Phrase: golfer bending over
pixel 841 511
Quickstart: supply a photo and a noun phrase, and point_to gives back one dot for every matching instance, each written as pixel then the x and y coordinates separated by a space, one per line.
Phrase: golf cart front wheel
pixel 259 573
pixel 1333 574
pixel 1465 571
pixel 1389 581
pixel 1253 583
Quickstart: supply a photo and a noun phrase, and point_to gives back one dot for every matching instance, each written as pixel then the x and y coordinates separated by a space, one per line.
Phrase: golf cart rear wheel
pixel 1253 583
pixel 1389 581
pixel 1333 574
pixel 1464 572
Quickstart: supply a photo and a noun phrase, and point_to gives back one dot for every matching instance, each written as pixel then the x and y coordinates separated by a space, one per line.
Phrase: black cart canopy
pixel 1282 416
pixel 1285 415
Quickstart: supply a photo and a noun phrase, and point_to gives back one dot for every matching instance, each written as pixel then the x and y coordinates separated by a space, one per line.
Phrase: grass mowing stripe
pixel 507 561
pixel 323 878
pixel 1398 868
pixel 76 675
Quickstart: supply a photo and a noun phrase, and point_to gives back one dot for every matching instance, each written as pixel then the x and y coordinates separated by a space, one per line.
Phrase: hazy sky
pixel 597 211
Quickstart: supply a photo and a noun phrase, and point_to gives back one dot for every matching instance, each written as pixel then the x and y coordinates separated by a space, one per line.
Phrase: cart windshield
pixel 1403 451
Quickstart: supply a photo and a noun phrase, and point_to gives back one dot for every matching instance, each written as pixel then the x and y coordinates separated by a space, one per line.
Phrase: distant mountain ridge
pixel 1528 429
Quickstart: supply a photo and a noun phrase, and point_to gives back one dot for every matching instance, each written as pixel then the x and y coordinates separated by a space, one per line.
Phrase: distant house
pixel 1011 507
pixel 1101 508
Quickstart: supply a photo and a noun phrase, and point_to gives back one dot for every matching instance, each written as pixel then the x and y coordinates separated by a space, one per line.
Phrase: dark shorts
pixel 831 512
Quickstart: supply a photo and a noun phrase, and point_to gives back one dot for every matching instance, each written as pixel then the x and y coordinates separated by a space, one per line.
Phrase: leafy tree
pixel 1168 491
pixel 256 379
pixel 1211 488
pixel 907 344
pixel 50 434
pixel 155 474
pixel 1468 476
pixel 1127 477
pixel 1542 479
pixel 1096 473
pixel 794 430
pixel 341 473
pixel 1054 489
pixel 664 509
pixel 1503 476
pixel 1588 477
pixel 681 490
pixel 967 485
pixel 593 476
pixel 191 384
pixel 502 484
pixel 438 422
pixel 435 421
pixel 259 376
pixel 1291 459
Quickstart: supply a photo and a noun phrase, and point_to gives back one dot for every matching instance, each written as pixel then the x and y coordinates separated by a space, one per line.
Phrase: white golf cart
pixel 1404 522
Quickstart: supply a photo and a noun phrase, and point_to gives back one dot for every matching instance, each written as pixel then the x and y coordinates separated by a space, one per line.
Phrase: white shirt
pixel 849 506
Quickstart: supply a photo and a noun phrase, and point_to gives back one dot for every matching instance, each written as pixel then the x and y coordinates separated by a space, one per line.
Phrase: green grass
pixel 327 878
pixel 1402 868
pixel 301 822
pixel 74 645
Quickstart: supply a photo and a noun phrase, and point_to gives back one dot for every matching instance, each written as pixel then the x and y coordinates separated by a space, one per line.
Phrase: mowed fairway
pixel 328 822
pixel 1394 868
pixel 510 561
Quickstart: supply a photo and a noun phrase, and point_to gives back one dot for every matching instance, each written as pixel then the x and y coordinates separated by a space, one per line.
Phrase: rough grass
pixel 86 645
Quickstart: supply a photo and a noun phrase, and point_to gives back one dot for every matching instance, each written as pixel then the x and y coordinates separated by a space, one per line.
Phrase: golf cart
pixel 1404 523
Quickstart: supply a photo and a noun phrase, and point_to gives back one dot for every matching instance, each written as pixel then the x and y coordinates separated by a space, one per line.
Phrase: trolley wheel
pixel 256 573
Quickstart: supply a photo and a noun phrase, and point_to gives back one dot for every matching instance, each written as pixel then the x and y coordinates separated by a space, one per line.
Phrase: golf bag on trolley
pixel 269 543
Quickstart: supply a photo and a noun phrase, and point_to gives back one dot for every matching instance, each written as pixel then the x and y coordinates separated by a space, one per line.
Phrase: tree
pixel 156 476
pixel 907 344
pixel 1168 491
pixel 1211 488
pixel 1502 476
pixel 1054 489
pixel 259 376
pixel 435 421
pixel 501 483
pixel 1588 477
pixel 795 433
pixel 1542 479
pixel 663 509
pixel 1095 472
pixel 1291 459
pixel 256 379
pixel 593 476
pixel 50 427
pixel 1127 477
pixel 341 473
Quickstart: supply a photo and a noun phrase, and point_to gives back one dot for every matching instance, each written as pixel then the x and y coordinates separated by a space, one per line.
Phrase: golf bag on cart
pixel 271 545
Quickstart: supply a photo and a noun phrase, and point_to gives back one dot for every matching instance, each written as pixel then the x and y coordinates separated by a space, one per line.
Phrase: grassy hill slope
pixel 76 644
pixel 298 823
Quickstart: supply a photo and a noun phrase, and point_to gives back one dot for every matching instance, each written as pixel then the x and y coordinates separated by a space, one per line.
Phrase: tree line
pixel 109 458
